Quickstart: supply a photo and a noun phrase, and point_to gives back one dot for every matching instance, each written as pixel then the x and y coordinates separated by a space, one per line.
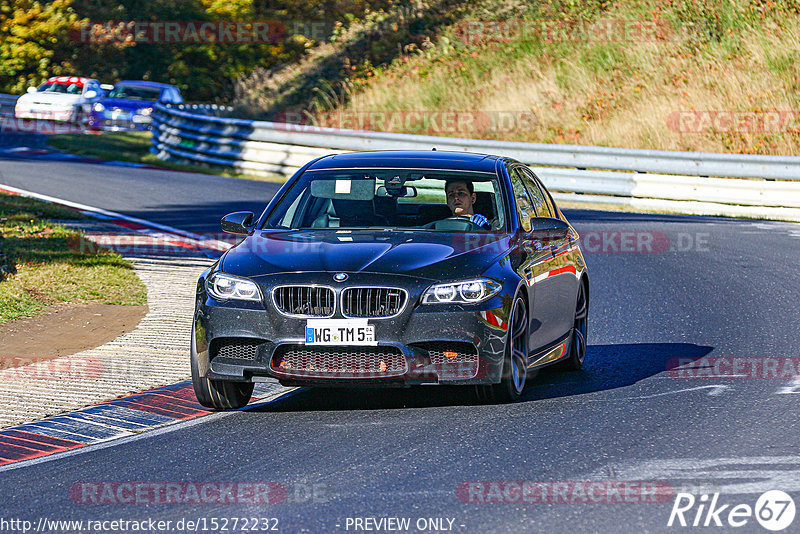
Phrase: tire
pixel 577 341
pixel 217 394
pixel 78 117
pixel 515 362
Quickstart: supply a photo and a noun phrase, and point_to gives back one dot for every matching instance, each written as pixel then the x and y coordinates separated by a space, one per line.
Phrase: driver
pixel 461 199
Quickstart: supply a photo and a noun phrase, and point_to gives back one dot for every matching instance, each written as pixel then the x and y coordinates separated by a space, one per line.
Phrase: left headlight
pixel 98 107
pixel 144 111
pixel 467 292
pixel 223 286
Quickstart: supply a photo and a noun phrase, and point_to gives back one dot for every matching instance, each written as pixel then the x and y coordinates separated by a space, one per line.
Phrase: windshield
pixel 66 88
pixel 134 92
pixel 393 199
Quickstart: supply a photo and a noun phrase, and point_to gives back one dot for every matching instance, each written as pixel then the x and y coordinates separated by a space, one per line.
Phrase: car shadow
pixel 612 366
pixel 607 367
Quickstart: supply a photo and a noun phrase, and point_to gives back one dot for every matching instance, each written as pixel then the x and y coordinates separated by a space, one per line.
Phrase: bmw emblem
pixel 340 277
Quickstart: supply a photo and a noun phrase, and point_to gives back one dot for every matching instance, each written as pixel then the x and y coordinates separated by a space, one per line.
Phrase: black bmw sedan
pixel 393 269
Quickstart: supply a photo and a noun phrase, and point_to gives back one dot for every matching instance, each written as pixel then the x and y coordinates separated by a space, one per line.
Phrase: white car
pixel 61 98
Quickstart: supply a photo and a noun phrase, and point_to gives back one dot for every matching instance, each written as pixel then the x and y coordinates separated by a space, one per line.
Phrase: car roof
pixel 80 80
pixel 409 159
pixel 143 83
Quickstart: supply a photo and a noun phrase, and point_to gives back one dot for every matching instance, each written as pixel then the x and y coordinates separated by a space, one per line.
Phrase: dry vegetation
pixel 720 76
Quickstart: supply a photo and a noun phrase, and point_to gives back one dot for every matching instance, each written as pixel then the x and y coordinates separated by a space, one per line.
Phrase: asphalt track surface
pixel 717 288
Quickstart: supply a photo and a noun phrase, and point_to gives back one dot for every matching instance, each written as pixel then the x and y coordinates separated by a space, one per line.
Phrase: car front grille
pixel 307 301
pixel 338 362
pixel 452 360
pixel 122 123
pixel 235 348
pixel 373 301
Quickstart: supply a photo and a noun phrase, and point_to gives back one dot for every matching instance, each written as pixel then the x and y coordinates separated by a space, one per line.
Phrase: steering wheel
pixel 456 223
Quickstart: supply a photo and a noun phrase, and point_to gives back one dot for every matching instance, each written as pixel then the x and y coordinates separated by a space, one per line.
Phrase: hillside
pixel 720 76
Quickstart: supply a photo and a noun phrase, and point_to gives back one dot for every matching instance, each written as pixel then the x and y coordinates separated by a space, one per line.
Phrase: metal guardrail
pixel 688 182
pixel 7 103
pixel 213 110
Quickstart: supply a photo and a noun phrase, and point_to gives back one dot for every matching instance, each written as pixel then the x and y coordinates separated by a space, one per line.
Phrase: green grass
pixel 133 147
pixel 43 263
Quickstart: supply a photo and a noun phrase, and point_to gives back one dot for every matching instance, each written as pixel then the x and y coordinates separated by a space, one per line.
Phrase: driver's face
pixel 458 196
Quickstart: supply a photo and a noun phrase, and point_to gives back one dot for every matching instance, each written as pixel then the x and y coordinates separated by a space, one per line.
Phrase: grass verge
pixel 133 147
pixel 43 263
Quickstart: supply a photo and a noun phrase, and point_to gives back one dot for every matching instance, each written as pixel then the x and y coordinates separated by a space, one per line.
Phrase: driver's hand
pixel 480 220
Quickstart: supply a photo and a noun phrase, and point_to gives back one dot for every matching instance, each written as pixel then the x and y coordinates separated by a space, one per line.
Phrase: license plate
pixel 339 332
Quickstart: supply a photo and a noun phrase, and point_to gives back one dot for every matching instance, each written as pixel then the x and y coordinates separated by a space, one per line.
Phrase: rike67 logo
pixel 774 510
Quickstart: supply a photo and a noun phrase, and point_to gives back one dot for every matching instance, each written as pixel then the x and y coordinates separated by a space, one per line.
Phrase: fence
pixel 687 182
pixel 7 103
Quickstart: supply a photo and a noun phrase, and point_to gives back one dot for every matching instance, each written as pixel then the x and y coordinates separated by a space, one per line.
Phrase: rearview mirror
pixel 240 222
pixel 405 191
pixel 549 226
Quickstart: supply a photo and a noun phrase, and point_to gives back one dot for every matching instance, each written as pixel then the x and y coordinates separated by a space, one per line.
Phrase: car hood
pixel 432 255
pixel 125 104
pixel 60 99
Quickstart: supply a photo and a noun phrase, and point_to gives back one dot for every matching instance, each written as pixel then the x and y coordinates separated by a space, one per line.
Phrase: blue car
pixel 128 106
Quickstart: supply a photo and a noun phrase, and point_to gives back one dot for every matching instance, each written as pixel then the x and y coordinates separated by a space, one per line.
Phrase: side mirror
pixel 31 90
pixel 91 93
pixel 549 227
pixel 240 222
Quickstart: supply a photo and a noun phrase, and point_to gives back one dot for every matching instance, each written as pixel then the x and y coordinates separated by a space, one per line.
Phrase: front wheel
pixel 217 394
pixel 515 363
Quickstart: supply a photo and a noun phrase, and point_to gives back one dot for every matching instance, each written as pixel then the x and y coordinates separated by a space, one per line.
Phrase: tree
pixel 34 42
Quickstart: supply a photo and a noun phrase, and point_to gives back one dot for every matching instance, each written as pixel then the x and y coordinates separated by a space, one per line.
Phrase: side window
pixel 525 209
pixel 176 96
pixel 539 198
pixel 286 222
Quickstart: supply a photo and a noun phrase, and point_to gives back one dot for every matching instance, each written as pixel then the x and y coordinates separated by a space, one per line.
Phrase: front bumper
pixel 119 120
pixel 61 114
pixel 423 344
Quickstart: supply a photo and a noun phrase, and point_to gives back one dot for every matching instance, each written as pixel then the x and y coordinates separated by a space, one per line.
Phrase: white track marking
pixel 200 240
pixel 723 475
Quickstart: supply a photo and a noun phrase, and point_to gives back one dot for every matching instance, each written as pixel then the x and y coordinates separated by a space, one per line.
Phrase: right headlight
pixel 467 292
pixel 223 286
pixel 98 107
